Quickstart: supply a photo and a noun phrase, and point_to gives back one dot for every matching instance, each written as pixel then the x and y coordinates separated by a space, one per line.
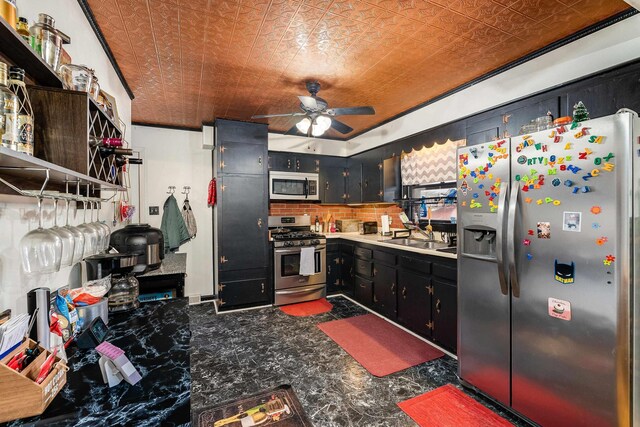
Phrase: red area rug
pixel 307 308
pixel 447 406
pixel 377 345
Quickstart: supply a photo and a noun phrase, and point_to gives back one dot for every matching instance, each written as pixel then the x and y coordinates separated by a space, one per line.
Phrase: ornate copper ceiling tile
pixel 189 61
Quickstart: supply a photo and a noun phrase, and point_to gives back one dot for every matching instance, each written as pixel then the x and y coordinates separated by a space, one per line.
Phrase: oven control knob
pixel 315 242
pixel 288 243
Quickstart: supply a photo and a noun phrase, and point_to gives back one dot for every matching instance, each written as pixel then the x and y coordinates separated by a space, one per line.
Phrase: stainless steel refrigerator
pixel 548 226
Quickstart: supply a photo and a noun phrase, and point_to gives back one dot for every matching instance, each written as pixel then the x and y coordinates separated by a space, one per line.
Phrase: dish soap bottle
pixel 423 207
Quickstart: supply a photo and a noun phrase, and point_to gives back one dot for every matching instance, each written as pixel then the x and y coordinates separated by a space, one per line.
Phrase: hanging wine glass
pixel 102 234
pixel 67 237
pixel 40 249
pixel 106 228
pixel 78 248
pixel 90 234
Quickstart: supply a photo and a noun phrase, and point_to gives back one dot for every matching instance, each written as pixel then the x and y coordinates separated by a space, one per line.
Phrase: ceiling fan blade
pixel 292 131
pixel 340 127
pixel 351 111
pixel 309 102
pixel 264 116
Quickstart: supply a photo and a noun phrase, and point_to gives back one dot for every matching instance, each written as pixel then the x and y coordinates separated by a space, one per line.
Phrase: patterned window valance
pixel 429 165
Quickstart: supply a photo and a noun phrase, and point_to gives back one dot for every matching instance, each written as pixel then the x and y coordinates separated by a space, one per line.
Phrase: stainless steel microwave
pixel 293 186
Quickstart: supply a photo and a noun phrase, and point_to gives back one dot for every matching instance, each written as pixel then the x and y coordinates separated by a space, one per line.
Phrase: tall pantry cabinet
pixel 241 242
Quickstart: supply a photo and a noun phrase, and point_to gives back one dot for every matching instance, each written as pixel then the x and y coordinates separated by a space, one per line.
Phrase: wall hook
pixel 172 189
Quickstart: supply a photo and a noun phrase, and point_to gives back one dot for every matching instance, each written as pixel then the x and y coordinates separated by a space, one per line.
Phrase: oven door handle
pixel 297 250
pixel 306 289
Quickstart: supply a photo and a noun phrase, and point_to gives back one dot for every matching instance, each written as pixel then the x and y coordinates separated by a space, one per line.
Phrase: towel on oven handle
pixel 307 261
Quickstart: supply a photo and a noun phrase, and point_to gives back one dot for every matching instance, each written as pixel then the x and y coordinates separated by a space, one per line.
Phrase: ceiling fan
pixel 317 117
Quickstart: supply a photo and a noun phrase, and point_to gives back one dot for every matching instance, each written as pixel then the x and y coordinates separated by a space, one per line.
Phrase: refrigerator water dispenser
pixel 479 241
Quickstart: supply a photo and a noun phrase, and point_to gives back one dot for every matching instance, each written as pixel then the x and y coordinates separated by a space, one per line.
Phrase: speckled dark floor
pixel 237 354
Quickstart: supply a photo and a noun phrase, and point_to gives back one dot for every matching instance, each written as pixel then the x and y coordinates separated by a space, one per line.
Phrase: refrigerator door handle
pixel 502 206
pixel 511 242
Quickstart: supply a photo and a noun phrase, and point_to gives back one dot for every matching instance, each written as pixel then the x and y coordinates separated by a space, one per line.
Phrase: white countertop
pixel 378 240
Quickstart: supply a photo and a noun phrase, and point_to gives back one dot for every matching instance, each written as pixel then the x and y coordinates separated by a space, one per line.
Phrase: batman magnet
pixel 565 273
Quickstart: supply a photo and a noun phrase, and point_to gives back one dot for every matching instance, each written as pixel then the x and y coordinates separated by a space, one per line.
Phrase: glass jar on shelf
pixel 46 40
pixel 24 126
pixel 8 111
pixel 76 77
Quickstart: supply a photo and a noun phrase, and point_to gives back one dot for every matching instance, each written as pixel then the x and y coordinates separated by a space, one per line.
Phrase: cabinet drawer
pixel 415 264
pixel 446 272
pixel 362 252
pixel 384 257
pixel 363 268
pixel 364 291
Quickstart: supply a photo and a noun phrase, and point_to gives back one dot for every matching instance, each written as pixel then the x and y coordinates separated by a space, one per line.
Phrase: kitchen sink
pixel 417 243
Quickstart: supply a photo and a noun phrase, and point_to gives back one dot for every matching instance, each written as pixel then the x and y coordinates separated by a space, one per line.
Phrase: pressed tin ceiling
pixel 191 61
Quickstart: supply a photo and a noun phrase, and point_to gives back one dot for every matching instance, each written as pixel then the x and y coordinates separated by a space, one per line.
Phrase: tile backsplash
pixel 370 212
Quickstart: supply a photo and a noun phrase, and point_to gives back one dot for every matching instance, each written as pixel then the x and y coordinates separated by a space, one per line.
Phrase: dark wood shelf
pixel 26 173
pixel 17 51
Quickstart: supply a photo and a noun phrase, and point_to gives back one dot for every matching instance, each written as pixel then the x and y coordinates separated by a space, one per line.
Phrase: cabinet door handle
pixel 259 160
pixel 404 292
pixel 374 298
pixel 438 305
pixel 259 222
pixel 393 287
pixel 375 271
pixel 262 287
pixel 430 289
pixel 329 269
pixel 326 186
pixel 223 259
pixel 362 285
pixel 288 163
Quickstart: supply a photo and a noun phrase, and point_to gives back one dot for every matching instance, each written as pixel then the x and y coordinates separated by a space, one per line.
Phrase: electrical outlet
pixel 154 210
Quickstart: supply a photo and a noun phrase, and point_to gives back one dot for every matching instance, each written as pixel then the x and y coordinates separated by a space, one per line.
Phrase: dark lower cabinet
pixel 243 292
pixel 334 276
pixel 444 305
pixel 243 288
pixel 384 290
pixel 414 302
pixel 363 291
pixel 348 274
pixel 418 291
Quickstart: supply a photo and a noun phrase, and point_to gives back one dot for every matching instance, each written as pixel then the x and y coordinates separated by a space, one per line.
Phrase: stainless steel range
pixel 289 235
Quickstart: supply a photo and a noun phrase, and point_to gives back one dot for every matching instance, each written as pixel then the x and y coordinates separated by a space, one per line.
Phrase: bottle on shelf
pixel 8 110
pixel 22 27
pixel 23 129
pixel 317 225
pixel 8 12
pixel 107 151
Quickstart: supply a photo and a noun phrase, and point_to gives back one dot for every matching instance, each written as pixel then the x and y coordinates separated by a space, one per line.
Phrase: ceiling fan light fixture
pixel 303 125
pixel 324 122
pixel 317 130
